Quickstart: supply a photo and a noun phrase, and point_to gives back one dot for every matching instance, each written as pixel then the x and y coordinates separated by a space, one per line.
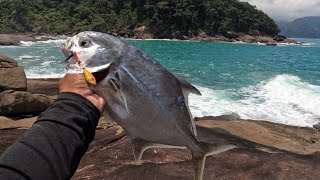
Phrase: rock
pixel 48 87
pixel 271 44
pixel 231 35
pixel 8 42
pixel 110 154
pixel 248 39
pixel 116 161
pixel 14 39
pixel 7 62
pixel 16 122
pixel 226 117
pixel 19 103
pixel 142 33
pixel 126 33
pixel 279 38
pixel 13 78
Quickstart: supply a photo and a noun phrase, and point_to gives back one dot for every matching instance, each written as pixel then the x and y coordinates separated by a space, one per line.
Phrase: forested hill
pixel 164 18
pixel 307 27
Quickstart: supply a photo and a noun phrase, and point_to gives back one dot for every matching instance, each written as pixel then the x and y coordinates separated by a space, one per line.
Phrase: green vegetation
pixel 164 18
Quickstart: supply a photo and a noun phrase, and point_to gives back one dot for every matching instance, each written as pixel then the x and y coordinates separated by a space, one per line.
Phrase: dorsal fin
pixel 187 87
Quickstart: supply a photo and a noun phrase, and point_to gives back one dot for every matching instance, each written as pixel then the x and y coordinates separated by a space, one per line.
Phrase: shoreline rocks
pixel 110 154
pixel 12 76
pixel 14 39
pixel 23 103
pixel 145 33
pixel 14 98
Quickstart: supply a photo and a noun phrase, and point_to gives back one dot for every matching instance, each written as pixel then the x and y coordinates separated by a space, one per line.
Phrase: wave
pixel 24 57
pixel 283 99
pixel 44 76
pixel 57 42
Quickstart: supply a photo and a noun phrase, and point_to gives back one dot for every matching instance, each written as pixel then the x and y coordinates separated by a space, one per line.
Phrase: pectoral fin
pixel 116 87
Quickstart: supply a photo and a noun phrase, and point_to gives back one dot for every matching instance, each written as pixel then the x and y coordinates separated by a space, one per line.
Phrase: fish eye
pixel 85 43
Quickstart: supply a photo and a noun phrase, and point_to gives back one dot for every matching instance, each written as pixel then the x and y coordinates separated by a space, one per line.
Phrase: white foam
pixel 284 99
pixel 41 76
pixel 54 41
pixel 27 57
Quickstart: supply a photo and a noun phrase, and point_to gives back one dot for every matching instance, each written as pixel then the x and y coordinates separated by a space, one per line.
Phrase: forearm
pixel 53 147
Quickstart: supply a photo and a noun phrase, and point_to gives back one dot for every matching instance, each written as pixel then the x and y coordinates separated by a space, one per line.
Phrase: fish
pixel 142 96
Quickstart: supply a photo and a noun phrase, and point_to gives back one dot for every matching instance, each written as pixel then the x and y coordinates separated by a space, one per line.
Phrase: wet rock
pixel 19 103
pixel 279 38
pixel 271 44
pixel 12 78
pixel 7 62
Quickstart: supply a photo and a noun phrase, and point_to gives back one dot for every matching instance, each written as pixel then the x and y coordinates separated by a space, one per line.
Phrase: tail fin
pixel 206 149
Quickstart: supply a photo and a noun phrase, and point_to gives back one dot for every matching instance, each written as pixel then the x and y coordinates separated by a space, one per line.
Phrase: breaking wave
pixel 283 99
pixel 56 43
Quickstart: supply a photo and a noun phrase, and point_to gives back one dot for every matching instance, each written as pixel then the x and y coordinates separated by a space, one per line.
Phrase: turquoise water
pixel 280 84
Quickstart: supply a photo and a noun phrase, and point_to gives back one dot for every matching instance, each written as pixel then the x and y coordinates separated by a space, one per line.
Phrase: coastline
pixel 15 39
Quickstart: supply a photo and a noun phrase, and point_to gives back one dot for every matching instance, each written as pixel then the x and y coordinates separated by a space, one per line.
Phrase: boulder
pixel 13 78
pixel 142 33
pixel 23 103
pixel 7 62
pixel 249 39
pixel 8 42
pixel 279 38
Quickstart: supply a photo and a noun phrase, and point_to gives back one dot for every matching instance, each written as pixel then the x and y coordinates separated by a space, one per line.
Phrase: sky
pixel 287 10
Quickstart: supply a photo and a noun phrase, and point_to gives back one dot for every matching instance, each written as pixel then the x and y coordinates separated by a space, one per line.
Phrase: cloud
pixel 287 9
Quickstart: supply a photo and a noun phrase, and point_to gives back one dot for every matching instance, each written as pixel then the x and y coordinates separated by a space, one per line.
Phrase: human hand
pixel 76 83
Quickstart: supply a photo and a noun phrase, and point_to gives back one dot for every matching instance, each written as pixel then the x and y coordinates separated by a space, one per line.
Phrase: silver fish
pixel 142 96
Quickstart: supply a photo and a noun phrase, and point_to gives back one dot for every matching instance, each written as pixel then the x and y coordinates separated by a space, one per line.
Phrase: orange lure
pixel 89 77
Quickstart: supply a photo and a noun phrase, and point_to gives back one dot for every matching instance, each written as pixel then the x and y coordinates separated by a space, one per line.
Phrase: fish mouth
pixel 69 54
pixel 98 72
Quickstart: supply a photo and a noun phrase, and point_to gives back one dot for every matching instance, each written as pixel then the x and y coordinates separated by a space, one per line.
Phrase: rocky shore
pixel 145 33
pixel 15 39
pixel 267 150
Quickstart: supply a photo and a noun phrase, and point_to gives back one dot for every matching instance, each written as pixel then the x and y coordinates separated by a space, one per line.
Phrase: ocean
pixel 275 83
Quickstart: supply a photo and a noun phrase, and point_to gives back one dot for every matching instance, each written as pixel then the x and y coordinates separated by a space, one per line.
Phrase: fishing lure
pixel 89 77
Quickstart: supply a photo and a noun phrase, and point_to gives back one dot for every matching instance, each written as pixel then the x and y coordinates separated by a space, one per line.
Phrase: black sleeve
pixel 53 146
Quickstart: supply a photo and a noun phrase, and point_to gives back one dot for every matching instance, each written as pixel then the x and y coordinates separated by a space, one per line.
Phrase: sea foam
pixel 283 99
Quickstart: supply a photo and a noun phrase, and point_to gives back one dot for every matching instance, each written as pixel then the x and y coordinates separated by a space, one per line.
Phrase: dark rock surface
pixel 14 39
pixel 7 62
pixel 43 86
pixel 110 156
pixel 12 78
pixel 19 103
